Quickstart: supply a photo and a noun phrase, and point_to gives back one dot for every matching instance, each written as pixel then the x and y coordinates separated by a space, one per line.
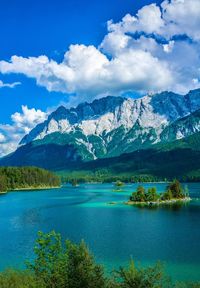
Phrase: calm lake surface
pixel 114 233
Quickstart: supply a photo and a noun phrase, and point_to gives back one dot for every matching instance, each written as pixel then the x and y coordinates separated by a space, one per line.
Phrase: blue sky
pixel 33 28
pixel 67 52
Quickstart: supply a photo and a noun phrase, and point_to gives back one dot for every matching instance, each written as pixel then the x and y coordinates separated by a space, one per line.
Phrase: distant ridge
pixel 109 127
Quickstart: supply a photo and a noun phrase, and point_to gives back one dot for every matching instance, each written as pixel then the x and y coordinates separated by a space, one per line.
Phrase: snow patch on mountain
pixel 120 121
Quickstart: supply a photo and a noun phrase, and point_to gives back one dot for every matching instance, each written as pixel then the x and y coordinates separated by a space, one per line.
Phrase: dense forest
pixel 12 178
pixel 162 162
pixel 69 265
pixel 104 176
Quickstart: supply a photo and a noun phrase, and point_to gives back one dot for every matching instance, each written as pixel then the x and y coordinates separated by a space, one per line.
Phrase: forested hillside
pixel 179 159
pixel 12 178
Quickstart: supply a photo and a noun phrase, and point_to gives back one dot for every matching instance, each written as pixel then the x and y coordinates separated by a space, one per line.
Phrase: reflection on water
pixel 114 232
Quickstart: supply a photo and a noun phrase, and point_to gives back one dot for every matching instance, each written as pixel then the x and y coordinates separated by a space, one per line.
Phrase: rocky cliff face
pixel 113 125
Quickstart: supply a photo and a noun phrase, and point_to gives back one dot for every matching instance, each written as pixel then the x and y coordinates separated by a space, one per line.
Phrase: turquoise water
pixel 114 233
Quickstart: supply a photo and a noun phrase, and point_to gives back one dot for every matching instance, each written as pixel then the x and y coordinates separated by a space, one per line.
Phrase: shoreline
pixel 157 203
pixel 35 188
pixel 30 189
pixel 3 192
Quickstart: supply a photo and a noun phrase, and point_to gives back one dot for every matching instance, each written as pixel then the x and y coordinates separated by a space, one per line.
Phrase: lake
pixel 114 233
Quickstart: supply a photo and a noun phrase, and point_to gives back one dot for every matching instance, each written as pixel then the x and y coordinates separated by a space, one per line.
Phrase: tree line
pixel 95 177
pixel 104 176
pixel 26 177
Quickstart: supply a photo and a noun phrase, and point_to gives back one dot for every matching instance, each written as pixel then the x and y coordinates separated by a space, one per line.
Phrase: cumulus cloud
pixel 9 85
pixel 156 49
pixel 22 123
pixel 182 17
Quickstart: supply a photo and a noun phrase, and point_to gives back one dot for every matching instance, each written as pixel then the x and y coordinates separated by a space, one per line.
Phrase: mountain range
pixel 109 127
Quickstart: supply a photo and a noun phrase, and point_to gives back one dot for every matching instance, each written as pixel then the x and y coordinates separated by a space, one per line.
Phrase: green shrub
pixel 132 277
pixel 19 279
pixel 72 266
pixel 63 266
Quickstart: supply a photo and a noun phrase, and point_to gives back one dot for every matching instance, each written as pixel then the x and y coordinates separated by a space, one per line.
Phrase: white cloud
pixel 182 17
pixel 115 42
pixel 85 70
pixel 9 85
pixel 2 138
pixel 168 47
pixel 22 123
pixel 130 57
pixel 148 19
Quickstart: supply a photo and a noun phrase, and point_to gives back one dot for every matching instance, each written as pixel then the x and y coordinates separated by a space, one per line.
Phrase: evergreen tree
pixel 176 189
pixel 167 195
pixel 139 195
pixel 151 194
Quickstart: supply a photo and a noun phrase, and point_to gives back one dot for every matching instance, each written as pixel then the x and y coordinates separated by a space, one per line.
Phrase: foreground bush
pixel 67 265
pixel 19 279
pixel 72 266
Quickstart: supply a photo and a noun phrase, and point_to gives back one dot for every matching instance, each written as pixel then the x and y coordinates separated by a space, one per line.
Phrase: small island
pixel 174 194
pixel 118 185
pixel 26 178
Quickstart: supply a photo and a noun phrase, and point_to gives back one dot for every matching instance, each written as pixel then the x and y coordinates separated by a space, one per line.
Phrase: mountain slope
pixel 108 127
pixel 182 128
pixel 179 159
pixel 113 125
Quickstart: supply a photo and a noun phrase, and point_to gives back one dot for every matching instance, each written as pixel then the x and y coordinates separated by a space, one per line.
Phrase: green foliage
pixel 3 183
pixel 151 277
pixel 141 195
pixel 104 176
pixel 26 177
pixel 176 189
pixel 50 264
pixel 173 191
pixel 82 270
pixel 119 184
pixel 61 266
pixel 151 195
pixel 167 195
pixel 67 265
pixel 19 279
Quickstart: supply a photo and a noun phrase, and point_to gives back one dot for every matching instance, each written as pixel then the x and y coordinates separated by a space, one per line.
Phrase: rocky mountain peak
pixel 110 122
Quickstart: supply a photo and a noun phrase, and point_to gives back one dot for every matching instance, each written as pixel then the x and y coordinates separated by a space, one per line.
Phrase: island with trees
pixel 174 193
pixel 26 178
pixel 118 186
